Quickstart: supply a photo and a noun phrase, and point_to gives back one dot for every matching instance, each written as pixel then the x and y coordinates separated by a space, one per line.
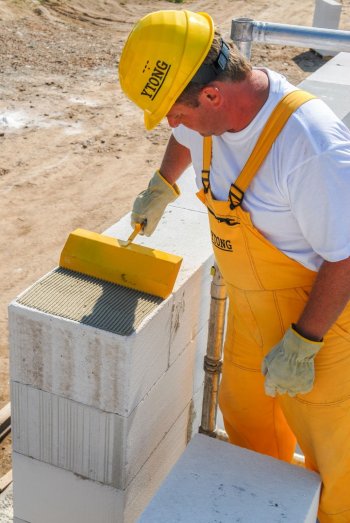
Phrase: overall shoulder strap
pixel 274 125
pixel 207 148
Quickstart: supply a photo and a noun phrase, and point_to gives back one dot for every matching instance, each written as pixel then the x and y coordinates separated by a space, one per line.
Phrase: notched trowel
pixel 122 262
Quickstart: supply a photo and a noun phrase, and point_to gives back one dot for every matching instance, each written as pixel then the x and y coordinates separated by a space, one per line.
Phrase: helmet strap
pixel 208 72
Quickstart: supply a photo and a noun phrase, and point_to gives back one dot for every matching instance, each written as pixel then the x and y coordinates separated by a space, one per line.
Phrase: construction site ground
pixel 74 152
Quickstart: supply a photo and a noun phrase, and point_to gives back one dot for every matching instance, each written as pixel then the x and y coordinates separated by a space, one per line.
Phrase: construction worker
pixel 272 165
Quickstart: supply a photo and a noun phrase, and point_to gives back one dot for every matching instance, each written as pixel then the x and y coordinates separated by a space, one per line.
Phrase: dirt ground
pixel 73 150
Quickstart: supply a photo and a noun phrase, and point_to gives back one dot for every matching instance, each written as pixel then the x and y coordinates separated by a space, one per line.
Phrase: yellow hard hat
pixel 161 55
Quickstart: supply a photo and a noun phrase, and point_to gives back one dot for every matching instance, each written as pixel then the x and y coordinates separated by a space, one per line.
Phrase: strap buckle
pixel 229 221
pixel 205 180
pixel 236 196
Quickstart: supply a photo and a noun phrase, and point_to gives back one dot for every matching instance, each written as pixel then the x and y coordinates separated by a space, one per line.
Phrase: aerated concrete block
pixel 98 445
pixel 88 365
pixel 327 15
pixel 44 493
pixel 216 481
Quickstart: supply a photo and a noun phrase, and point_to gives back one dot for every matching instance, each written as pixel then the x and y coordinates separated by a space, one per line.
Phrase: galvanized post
pixel 212 360
pixel 241 34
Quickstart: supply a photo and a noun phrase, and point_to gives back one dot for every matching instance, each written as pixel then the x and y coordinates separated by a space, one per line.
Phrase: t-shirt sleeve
pixel 181 135
pixel 319 193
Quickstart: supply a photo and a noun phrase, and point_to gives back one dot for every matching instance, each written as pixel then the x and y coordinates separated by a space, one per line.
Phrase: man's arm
pixel 289 366
pixel 151 203
pixel 176 159
pixel 329 295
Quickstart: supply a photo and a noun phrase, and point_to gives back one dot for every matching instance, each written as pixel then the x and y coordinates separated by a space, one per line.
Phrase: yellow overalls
pixel 267 292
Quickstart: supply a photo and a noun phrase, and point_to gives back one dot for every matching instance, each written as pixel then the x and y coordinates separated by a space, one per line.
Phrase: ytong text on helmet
pixel 156 80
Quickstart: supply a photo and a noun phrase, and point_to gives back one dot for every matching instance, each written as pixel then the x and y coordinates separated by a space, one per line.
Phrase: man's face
pixel 206 119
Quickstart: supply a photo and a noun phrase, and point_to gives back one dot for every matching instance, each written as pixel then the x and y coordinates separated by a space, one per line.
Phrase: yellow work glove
pixel 289 367
pixel 150 204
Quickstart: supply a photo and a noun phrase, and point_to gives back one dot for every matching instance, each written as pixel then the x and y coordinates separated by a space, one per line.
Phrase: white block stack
pixel 99 418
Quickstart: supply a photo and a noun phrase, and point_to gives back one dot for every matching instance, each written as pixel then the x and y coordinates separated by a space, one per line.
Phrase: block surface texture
pixel 214 481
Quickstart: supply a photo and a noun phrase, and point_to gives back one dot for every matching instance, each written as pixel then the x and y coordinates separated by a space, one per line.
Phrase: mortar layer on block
pixel 91 301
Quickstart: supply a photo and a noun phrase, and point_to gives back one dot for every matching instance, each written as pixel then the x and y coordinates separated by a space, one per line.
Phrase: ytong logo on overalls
pixel 221 243
pixel 156 79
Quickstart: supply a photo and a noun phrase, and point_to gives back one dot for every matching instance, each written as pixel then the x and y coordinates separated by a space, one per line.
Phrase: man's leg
pixel 252 419
pixel 321 422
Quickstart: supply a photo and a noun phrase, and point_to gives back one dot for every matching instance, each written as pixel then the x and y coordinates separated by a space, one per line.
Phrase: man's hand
pixel 289 367
pixel 150 204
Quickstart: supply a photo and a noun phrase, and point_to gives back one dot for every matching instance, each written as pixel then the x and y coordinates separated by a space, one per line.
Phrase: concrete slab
pixel 216 481
pixel 332 83
pixel 335 71
pixel 334 95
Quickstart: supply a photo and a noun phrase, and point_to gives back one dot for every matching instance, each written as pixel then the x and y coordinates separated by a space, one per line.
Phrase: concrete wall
pixel 99 418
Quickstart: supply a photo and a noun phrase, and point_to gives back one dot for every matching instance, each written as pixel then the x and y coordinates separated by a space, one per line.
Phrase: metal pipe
pixel 246 30
pixel 212 360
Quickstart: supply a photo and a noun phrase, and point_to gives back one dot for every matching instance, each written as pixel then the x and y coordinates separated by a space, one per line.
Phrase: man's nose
pixel 173 121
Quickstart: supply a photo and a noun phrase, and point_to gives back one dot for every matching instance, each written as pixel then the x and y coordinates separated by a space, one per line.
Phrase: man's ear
pixel 210 96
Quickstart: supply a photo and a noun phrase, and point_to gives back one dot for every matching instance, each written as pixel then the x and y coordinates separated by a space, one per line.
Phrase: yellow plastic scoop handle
pixel 136 231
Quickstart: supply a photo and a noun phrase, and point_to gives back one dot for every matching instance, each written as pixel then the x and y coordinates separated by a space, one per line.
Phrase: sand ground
pixel 73 150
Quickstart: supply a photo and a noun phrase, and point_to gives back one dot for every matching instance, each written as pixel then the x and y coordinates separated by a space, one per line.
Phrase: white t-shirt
pixel 300 197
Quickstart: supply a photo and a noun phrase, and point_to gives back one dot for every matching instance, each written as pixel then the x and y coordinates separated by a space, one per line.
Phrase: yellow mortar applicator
pixel 122 262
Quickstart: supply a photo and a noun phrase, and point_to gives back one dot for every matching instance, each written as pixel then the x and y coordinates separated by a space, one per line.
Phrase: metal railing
pixel 245 31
